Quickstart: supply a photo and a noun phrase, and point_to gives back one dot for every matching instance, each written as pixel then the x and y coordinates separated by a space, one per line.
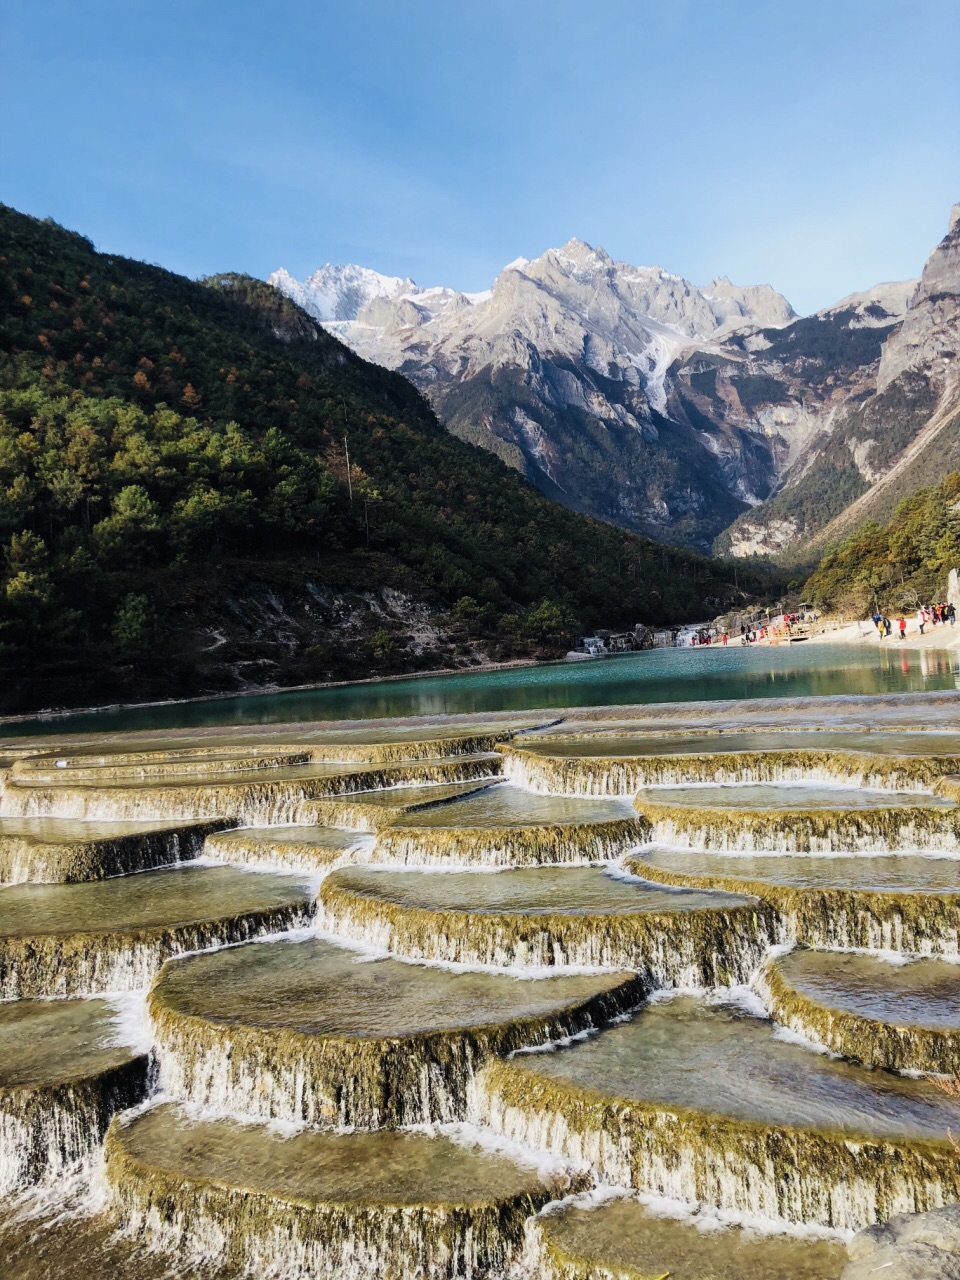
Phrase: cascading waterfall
pixel 69 965
pixel 217 1179
pixel 520 846
pixel 703 948
pixel 859 1038
pixel 257 802
pixel 771 1172
pixel 337 1081
pixel 295 1231
pixel 47 1134
pixel 844 919
pixel 622 776
pixel 803 830
pixel 26 859
pixel 255 848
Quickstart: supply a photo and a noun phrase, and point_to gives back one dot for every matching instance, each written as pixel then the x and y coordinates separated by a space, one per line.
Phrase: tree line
pixel 160 436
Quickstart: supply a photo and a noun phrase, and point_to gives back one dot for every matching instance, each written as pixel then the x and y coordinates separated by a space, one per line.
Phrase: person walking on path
pixel 902 624
pixel 951 613
pixel 921 619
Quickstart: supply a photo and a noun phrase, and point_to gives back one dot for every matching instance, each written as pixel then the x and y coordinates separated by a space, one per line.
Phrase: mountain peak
pixel 580 254
pixel 735 305
pixel 340 292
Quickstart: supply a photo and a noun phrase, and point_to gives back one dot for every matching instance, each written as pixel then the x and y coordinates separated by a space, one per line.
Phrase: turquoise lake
pixel 662 675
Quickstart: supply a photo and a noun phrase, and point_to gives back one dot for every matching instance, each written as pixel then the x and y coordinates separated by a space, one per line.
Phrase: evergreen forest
pixel 898 566
pixel 172 450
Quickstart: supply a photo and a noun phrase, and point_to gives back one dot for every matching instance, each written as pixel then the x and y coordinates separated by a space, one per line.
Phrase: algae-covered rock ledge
pixel 464 1000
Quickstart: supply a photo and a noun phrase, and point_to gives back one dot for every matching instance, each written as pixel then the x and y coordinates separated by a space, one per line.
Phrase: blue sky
pixel 814 146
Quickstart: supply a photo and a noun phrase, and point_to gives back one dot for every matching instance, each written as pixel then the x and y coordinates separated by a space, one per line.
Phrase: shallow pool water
pixel 622 1234
pixel 885 873
pixel 48 1042
pixel 316 988
pixel 171 896
pixel 713 1057
pixel 576 891
pixel 785 796
pixel 508 806
pixel 923 993
pixel 362 1168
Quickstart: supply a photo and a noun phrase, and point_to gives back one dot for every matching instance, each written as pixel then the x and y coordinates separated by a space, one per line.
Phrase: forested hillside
pixel 898 565
pixel 177 515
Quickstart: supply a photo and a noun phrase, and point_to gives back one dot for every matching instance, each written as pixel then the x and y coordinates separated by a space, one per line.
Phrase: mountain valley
pixel 714 417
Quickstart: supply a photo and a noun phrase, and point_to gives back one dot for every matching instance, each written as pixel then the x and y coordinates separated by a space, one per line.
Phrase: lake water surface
pixel 661 675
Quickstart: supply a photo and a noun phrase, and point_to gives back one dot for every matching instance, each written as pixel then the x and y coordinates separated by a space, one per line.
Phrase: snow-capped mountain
pixel 561 368
pixel 338 293
pixel 639 314
pixel 679 411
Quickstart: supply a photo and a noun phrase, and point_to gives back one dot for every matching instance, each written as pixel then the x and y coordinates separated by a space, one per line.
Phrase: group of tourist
pixel 772 632
pixel 932 614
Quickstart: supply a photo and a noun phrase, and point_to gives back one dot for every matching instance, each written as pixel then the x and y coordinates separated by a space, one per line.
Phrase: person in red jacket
pixel 902 624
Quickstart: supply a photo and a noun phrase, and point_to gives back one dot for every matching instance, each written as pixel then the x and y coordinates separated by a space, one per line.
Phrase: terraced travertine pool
pixel 476 999
pixel 880 872
pixel 613 745
pixel 783 796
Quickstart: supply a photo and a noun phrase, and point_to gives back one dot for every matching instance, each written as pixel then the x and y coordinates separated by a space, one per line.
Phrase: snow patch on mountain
pixel 574 302
pixel 564 366
pixel 339 293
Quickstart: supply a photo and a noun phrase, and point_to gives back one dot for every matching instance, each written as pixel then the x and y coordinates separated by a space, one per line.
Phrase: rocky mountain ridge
pixel 561 369
pixel 884 428
pixel 687 413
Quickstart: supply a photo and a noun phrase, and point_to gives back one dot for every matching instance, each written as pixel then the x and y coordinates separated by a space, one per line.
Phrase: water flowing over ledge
pixel 703 947
pixel 61 1080
pixel 898 1042
pixel 847 919
pixel 295 1207
pixel 356 1054
pixel 531 846
pixel 766 1171
pixel 802 830
pixel 77 940
pixel 262 801
pixel 460 945
pixel 43 851
pixel 599 1236
pixel 613 776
